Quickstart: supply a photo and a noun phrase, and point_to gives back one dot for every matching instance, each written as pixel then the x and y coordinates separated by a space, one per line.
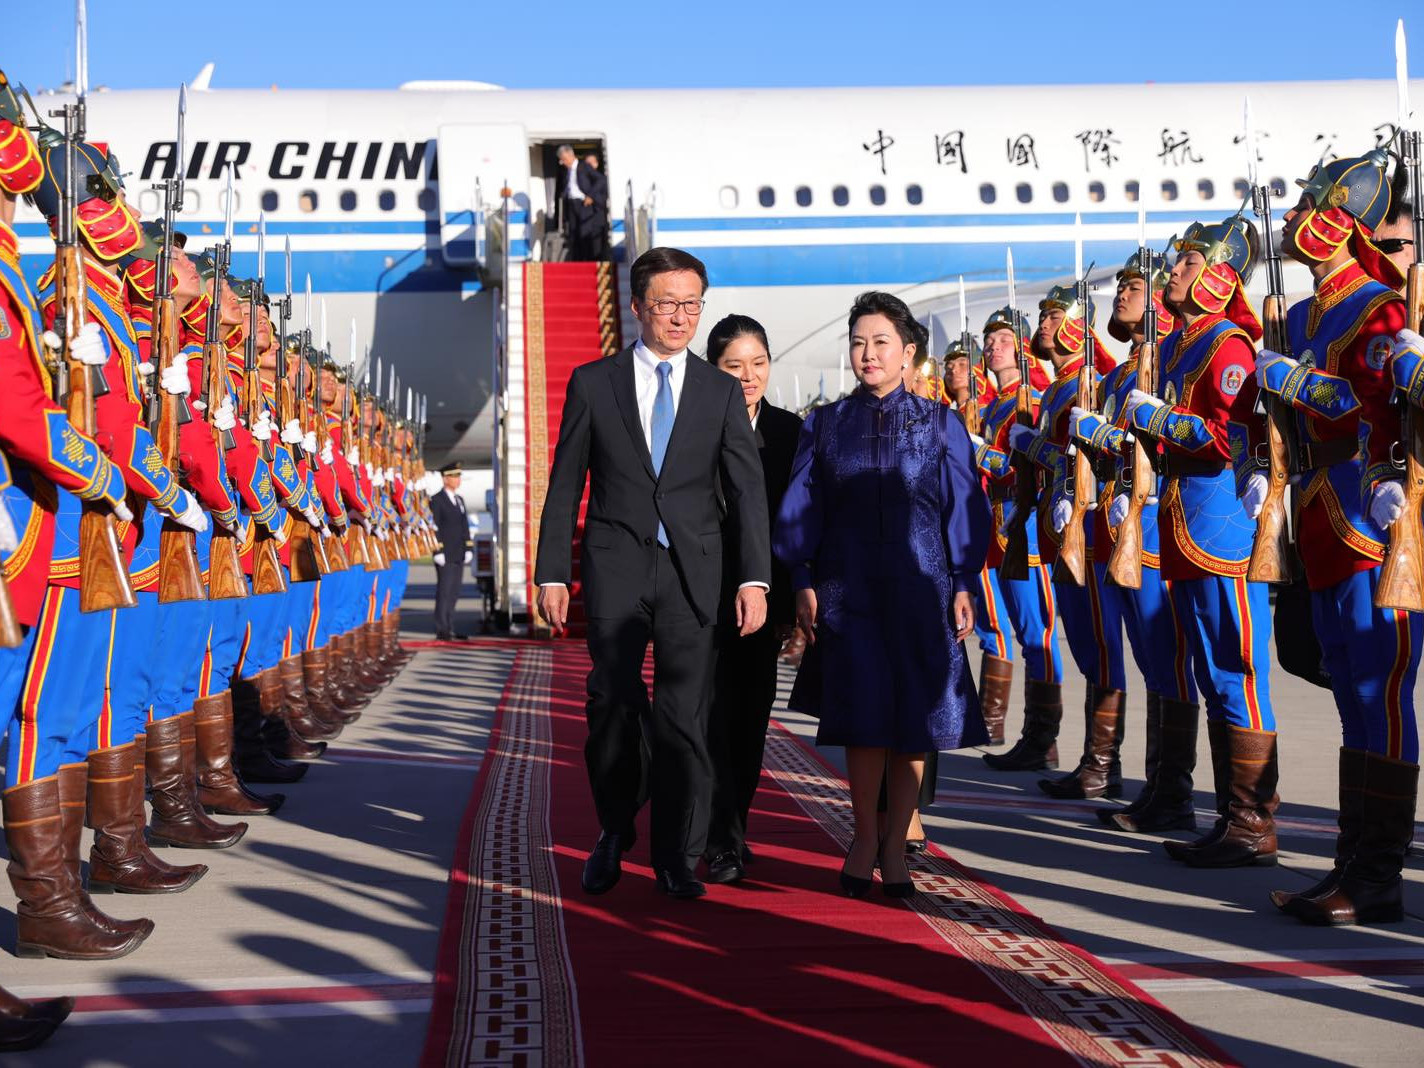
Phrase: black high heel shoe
pixel 853 885
pixel 896 890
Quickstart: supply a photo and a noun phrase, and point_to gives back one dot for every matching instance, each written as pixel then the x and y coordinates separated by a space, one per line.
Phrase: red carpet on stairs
pixel 779 969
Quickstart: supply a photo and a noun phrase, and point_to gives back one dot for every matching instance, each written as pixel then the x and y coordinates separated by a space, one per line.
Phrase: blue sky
pixel 610 43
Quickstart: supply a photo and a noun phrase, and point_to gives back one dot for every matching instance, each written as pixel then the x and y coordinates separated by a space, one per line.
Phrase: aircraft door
pixel 476 161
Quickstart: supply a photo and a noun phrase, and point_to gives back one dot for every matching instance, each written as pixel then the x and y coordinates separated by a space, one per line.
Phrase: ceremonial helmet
pixel 232 335
pixel 109 225
pixel 1007 318
pixel 20 165
pixel 140 267
pixel 1069 335
pixel 1160 271
pixel 1349 200
pixel 1230 248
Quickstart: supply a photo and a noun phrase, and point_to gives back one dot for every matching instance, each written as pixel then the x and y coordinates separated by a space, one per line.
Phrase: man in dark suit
pixel 583 206
pixel 745 686
pixel 452 527
pixel 658 433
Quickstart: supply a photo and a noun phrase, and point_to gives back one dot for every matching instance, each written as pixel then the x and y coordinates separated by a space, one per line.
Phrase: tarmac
pixel 315 937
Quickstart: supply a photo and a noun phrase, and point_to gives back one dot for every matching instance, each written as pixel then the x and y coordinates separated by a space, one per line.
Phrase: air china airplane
pixel 795 199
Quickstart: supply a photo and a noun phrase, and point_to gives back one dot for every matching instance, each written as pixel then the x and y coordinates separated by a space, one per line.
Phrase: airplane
pixel 796 199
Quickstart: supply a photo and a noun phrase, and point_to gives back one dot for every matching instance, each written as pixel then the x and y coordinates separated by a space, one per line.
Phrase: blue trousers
pixel 301 604
pixel 1372 655
pixel 226 638
pixel 1092 621
pixel 1156 631
pixel 400 569
pixel 134 656
pixel 13 663
pixel 267 618
pixel 183 630
pixel 1026 606
pixel 1229 639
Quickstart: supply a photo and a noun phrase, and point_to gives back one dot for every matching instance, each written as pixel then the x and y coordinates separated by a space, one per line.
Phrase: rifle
pixel 365 446
pixel 1271 550
pixel 179 576
pixel 225 578
pixel 1015 564
pixel 1401 579
pixel 103 577
pixel 307 556
pixel 267 576
pixel 1138 476
pixel 1082 484
pixel 314 420
pixel 973 421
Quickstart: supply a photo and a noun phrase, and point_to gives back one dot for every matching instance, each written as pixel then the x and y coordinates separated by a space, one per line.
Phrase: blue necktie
pixel 662 428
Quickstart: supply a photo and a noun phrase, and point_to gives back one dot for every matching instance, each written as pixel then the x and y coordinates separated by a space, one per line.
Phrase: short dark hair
pixel 663 261
pixel 894 309
pixel 728 330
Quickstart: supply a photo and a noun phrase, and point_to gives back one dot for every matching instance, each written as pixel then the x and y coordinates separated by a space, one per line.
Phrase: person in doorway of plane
pixel 745 686
pixel 885 529
pixel 583 207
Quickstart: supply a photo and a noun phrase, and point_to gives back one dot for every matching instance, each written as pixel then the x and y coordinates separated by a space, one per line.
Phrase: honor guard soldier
pixel 1024 605
pixel 1339 388
pixel 1155 629
pixel 1205 422
pixel 1092 612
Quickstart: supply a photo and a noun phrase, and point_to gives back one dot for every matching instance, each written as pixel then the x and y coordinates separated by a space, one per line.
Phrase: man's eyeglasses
pixel 1390 245
pixel 667 307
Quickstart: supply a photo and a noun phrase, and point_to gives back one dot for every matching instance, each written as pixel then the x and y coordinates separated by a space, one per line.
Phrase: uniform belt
pixel 1174 465
pixel 1313 455
pixel 1001 492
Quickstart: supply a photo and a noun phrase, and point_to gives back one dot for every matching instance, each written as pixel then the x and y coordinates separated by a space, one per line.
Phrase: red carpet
pixel 778 968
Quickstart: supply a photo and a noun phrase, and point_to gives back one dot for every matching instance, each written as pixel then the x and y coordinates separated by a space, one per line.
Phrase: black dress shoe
pixel 676 882
pixel 747 855
pixel 915 845
pixel 605 864
pixel 725 867
pixel 444 636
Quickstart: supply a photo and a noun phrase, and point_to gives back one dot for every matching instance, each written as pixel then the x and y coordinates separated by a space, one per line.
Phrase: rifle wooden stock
pixel 308 558
pixel 376 558
pixel 1401 580
pixel 179 576
pixel 1125 561
pixel 12 635
pixel 336 552
pixel 356 554
pixel 1015 563
pixel 1270 551
pixel 267 576
pixel 1072 562
pixel 225 578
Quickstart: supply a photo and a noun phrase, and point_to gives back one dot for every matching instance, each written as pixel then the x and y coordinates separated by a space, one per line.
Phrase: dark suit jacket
pixel 595 186
pixel 776 433
pixel 452 527
pixel 602 439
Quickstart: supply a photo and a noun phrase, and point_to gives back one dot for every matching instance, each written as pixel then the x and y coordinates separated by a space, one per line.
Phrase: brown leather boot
pixel 996 680
pixel 1370 888
pixel 1247 831
pixel 1353 763
pixel 284 698
pixel 316 664
pixel 261 741
pixel 1166 801
pixel 120 859
pixel 25 1025
pixel 1037 747
pixel 51 917
pixel 1218 734
pixel 1099 772
pixel 73 800
pixel 372 649
pixel 178 819
pixel 399 654
pixel 1152 732
pixel 219 788
pixel 346 664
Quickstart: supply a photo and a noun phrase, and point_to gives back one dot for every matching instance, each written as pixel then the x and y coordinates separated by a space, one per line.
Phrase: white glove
pixel 378 477
pixel 1253 497
pixel 122 513
pixel 1386 503
pixel 173 379
pixel 328 455
pixel 1139 399
pixel 9 539
pixel 90 347
pixel 262 428
pixel 977 441
pixel 223 416
pixel 292 433
pixel 469 556
pixel 1266 358
pixel 382 534
pixel 190 514
pixel 312 516
pixel 432 484
pixel 1075 416
pixel 1117 511
pixel 145 368
pixel 439 559
pixel 1062 512
pixel 1021 437
pixel 280 535
pixel 353 455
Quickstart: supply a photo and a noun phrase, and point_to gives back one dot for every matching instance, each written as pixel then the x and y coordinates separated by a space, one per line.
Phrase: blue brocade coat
pixel 886 519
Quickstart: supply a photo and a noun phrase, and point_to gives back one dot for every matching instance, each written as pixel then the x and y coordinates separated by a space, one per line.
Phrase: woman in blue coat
pixel 884 528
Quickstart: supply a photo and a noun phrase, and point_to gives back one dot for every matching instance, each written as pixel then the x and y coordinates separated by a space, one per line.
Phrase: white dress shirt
pixel 574 192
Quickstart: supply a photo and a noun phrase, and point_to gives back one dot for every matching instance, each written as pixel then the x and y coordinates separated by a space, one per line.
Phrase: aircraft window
pixel 1169 189
pixel 307 200
pixel 766 196
pixel 387 200
pixel 348 200
pixel 987 193
pixel 1096 192
pixel 877 195
pixel 914 194
pixel 728 196
pixel 425 200
pixel 1060 192
pixel 192 200
pixel 1278 187
pixel 269 200
pixel 1206 189
pixel 1240 188
pixel 148 203
pixel 1131 190
pixel 236 201
pixel 1024 192
pixel 840 196
pixel 803 195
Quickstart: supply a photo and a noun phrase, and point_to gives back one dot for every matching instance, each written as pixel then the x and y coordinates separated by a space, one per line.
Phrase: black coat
pixel 601 438
pixel 595 186
pixel 776 433
pixel 452 527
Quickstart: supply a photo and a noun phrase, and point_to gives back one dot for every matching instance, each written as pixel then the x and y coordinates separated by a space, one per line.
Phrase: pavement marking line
pixel 370 1009
pixel 145 987
pixel 391 756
